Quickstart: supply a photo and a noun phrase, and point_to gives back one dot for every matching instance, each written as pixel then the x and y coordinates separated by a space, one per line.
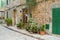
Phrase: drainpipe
pixel 45 13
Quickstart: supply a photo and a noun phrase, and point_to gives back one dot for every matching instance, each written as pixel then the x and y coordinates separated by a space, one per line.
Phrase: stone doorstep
pixel 52 34
pixel 22 31
pixel 56 35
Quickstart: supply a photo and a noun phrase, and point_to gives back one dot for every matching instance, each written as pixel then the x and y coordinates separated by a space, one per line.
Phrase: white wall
pixel 13 3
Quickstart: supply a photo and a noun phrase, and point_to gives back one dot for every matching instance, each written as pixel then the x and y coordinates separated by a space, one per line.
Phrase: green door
pixel 56 21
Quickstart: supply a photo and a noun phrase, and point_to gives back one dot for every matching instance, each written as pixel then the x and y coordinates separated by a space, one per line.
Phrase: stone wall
pixel 38 13
pixel 22 1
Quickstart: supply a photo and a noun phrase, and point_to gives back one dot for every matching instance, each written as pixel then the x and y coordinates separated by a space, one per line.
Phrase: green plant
pixel 31 3
pixel 33 26
pixel 8 21
pixel 28 28
pixel 34 29
pixel 42 28
pixel 38 29
pixel 30 20
pixel 20 25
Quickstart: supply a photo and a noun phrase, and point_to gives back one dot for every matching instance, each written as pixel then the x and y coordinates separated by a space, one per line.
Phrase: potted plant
pixel 34 27
pixel 8 21
pixel 28 28
pixel 20 25
pixel 42 31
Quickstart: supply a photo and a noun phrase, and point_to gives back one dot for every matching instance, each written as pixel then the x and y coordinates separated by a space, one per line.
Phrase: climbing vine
pixel 31 3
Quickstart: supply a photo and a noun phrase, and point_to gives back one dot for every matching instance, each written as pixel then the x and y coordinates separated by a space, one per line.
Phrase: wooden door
pixel 56 21
pixel 24 16
pixel 14 16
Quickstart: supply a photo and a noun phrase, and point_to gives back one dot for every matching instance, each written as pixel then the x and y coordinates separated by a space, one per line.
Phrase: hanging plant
pixel 31 3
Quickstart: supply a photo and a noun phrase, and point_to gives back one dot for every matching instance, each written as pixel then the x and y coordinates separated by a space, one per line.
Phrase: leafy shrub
pixel 20 25
pixel 42 28
pixel 8 21
pixel 28 28
pixel 32 26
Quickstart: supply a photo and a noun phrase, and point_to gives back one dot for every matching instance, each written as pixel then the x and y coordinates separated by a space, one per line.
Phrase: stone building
pixel 13 9
pixel 42 12
pixel 2 13
pixel 47 12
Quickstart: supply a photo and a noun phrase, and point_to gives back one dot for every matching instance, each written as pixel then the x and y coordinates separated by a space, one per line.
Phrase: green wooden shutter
pixel 6 14
pixel 47 26
pixel 2 4
pixel 56 20
pixel 31 3
pixel 27 0
pixel 7 2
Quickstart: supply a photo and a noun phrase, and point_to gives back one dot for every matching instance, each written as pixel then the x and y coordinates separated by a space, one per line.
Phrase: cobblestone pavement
pixel 6 34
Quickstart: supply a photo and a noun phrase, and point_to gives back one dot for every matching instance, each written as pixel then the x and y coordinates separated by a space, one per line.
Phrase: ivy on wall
pixel 31 3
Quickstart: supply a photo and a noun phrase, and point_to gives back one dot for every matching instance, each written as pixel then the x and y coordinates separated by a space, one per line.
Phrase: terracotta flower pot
pixel 42 32
pixel 9 24
pixel 19 27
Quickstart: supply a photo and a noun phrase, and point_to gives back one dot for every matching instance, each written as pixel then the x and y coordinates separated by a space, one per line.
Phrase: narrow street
pixel 29 19
pixel 6 34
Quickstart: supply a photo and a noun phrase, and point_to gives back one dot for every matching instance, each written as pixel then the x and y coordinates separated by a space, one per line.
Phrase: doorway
pixel 25 16
pixel 56 21
pixel 14 16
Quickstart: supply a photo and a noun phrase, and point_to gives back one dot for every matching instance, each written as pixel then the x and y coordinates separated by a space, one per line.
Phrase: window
pixel 7 2
pixel 7 14
pixel 2 4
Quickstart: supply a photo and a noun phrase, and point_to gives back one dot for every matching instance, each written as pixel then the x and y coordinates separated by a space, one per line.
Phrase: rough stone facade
pixel 13 3
pixel 41 12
